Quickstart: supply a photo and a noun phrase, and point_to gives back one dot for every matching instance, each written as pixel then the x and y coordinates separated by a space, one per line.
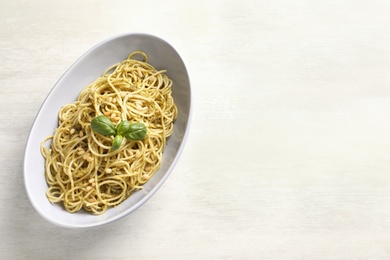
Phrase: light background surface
pixel 288 154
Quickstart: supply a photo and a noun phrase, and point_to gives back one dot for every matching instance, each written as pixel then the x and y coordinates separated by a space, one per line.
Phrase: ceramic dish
pixel 85 70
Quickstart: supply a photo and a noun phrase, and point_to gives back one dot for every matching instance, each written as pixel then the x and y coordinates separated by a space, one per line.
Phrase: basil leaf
pixel 103 125
pixel 117 142
pixel 122 127
pixel 135 132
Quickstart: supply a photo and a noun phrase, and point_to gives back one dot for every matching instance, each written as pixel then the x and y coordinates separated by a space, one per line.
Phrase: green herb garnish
pixel 117 142
pixel 104 126
pixel 136 131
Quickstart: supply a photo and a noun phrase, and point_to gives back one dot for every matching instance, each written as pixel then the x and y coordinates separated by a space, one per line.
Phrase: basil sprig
pixel 122 127
pixel 104 126
pixel 136 131
pixel 117 142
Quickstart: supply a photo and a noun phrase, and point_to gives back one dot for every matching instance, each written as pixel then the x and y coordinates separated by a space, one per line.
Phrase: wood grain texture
pixel 288 154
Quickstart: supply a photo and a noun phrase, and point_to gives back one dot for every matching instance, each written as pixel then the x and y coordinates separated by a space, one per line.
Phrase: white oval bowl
pixel 85 70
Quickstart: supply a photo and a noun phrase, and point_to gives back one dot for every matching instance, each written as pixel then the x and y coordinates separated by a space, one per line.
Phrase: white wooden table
pixel 289 151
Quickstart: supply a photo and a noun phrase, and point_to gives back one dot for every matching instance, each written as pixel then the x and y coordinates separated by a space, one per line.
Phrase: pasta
pixel 81 169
